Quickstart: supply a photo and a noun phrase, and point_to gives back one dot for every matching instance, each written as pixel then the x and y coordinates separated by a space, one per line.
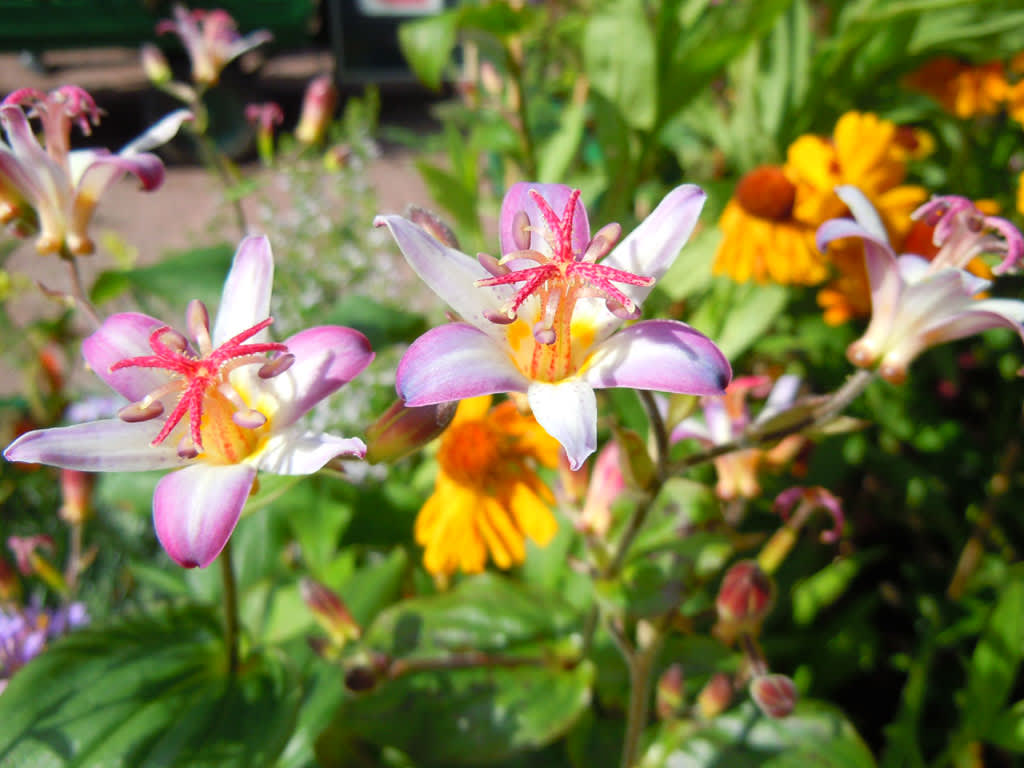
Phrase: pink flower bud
pixel 775 695
pixel 746 595
pixel 76 488
pixel 606 484
pixel 402 430
pixel 671 693
pixel 330 612
pixel 715 697
pixel 317 110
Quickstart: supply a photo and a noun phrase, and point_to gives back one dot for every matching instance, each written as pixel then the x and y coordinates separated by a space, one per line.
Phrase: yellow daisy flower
pixel 761 239
pixel 487 497
pixel 871 154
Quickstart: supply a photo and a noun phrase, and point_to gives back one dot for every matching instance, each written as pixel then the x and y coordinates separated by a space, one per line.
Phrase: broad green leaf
pixel 176 279
pixel 619 59
pixel 470 714
pixel 484 613
pixel 428 43
pixel 556 154
pixel 823 588
pixel 1007 730
pixel 994 666
pixel 146 692
pixel 452 195
pixel 382 322
pixel 374 586
pixel 814 735
pixel 703 48
pixel 737 315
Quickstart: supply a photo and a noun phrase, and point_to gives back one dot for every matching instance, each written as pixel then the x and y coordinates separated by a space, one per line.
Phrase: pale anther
pixel 140 411
pixel 521 231
pixel 277 366
pixel 249 418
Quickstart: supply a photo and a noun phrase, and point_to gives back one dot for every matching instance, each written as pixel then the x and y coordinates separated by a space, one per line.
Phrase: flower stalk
pixel 230 585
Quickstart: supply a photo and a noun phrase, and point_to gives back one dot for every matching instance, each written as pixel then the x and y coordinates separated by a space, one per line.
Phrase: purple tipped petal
pixel 665 355
pixel 453 362
pixel 195 510
pixel 98 446
pixel 295 453
pixel 650 249
pixel 122 336
pixel 451 274
pixel 518 199
pixel 246 297
pixel 103 169
pixel 863 212
pixel 568 412
pixel 326 358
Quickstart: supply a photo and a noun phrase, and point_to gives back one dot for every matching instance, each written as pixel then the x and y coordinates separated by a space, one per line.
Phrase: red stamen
pixel 199 374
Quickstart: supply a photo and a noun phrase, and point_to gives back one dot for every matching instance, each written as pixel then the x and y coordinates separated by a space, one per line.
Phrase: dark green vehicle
pixel 360 32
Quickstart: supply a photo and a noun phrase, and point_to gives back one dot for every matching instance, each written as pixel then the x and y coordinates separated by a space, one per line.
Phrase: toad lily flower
pixel 55 190
pixel 211 39
pixel 541 320
pixel 243 396
pixel 916 303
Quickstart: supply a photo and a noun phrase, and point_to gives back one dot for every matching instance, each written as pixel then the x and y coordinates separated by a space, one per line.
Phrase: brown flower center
pixel 765 192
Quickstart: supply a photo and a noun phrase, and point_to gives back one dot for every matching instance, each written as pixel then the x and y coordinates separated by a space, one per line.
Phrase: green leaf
pixel 823 588
pixel 176 279
pixel 382 322
pixel 145 692
pixel 1007 731
pixel 994 666
pixel 483 712
pixel 454 196
pixel 373 587
pixel 619 59
pixel 428 43
pixel 736 316
pixel 466 617
pixel 814 735
pixel 555 155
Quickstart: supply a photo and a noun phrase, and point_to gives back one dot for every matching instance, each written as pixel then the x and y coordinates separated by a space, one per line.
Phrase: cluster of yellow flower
pixel 970 90
pixel 768 227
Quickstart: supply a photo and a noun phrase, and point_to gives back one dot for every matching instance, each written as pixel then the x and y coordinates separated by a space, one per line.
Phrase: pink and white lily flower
pixel 211 39
pixel 553 337
pixel 54 190
pixel 917 303
pixel 243 396
pixel 728 418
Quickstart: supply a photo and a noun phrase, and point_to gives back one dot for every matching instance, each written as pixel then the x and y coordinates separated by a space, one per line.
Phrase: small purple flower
pixel 54 190
pixel 542 319
pixel 231 401
pixel 25 633
pixel 916 303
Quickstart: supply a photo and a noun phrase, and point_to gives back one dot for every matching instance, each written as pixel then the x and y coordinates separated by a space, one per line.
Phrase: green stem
pixel 78 292
pixel 641 663
pixel 831 408
pixel 227 573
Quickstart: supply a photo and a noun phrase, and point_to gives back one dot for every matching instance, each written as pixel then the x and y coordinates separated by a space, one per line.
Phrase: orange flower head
pixel 761 240
pixel 488 498
pixel 962 89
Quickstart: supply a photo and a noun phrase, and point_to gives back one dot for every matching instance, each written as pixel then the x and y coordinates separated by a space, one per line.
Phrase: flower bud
pixel 746 595
pixel 715 697
pixel 775 695
pixel 317 110
pixel 330 612
pixel 606 484
pixel 76 488
pixel 636 462
pixel 671 693
pixel 403 429
pixel 433 225
pixel 155 65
